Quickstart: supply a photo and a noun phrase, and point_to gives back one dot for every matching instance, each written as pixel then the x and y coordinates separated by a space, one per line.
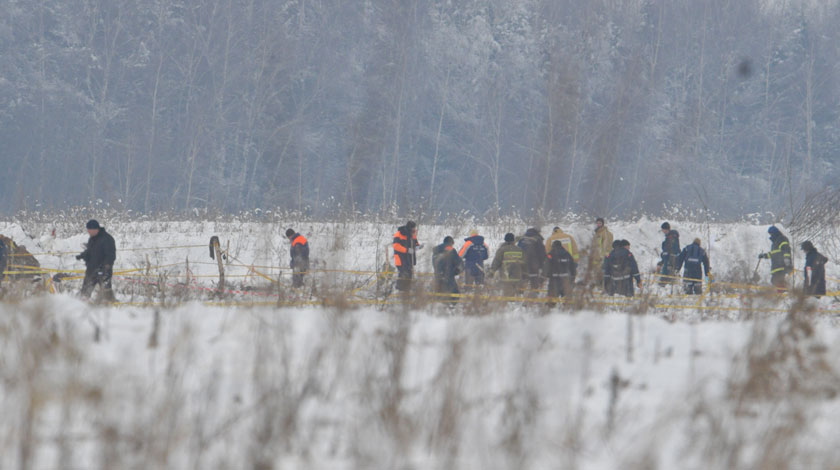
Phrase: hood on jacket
pixel 475 239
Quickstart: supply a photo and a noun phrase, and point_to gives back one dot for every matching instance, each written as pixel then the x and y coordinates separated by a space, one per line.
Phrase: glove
pixel 788 262
pixel 419 246
pixel 79 257
pixel 763 256
pixel 410 251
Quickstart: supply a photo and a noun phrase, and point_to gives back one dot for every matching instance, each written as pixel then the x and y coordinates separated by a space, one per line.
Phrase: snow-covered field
pixel 207 386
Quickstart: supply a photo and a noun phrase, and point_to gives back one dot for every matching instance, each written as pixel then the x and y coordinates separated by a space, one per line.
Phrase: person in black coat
pixel 447 265
pixel 560 269
pixel 534 249
pixel 696 263
pixel 99 259
pixel 814 270
pixel 623 270
pixel 609 288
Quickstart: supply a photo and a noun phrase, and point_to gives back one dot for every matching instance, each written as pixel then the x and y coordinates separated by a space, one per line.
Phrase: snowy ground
pixel 199 386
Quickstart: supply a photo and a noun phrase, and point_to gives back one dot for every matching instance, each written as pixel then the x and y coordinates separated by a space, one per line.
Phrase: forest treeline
pixel 394 105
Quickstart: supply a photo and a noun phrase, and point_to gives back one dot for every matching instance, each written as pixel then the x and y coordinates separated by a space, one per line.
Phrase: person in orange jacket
pixel 405 254
pixel 299 254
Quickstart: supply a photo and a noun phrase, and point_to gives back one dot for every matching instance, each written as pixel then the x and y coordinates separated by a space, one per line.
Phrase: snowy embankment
pixel 194 387
pixel 513 387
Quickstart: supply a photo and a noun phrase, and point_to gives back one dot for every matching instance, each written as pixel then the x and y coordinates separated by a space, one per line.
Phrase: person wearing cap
pixel 447 265
pixel 670 252
pixel 405 254
pixel 696 263
pixel 509 261
pixel 99 256
pixel 814 270
pixel 298 256
pixel 781 263
pixel 474 253
pixel 567 240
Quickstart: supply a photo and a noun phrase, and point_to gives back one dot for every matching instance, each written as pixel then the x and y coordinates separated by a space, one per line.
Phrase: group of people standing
pixel 527 261
pixel 523 262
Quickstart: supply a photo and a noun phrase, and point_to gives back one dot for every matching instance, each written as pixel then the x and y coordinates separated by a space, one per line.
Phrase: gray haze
pixel 608 107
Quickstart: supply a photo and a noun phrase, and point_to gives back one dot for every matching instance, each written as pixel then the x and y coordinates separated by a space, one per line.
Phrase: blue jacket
pixel 474 253
pixel 695 260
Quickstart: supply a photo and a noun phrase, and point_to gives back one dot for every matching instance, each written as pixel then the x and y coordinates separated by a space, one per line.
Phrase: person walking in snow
pixel 474 253
pixel 560 269
pixel 532 246
pixel 405 256
pixel 99 256
pixel 509 261
pixel 670 253
pixel 623 270
pixel 298 256
pixel 814 270
pixel 781 263
pixel 696 263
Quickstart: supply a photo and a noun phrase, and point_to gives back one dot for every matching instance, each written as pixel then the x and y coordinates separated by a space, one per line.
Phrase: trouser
pixel 404 277
pixel 447 286
pixel 510 288
pixel 559 287
pixel 693 287
pixel 779 280
pixel 102 277
pixel 624 287
pixel 668 272
pixel 535 281
pixel 297 276
pixel 299 269
pixel 474 276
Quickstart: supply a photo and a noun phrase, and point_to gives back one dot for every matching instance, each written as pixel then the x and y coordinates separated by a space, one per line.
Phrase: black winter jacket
pixel 101 252
pixel 815 273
